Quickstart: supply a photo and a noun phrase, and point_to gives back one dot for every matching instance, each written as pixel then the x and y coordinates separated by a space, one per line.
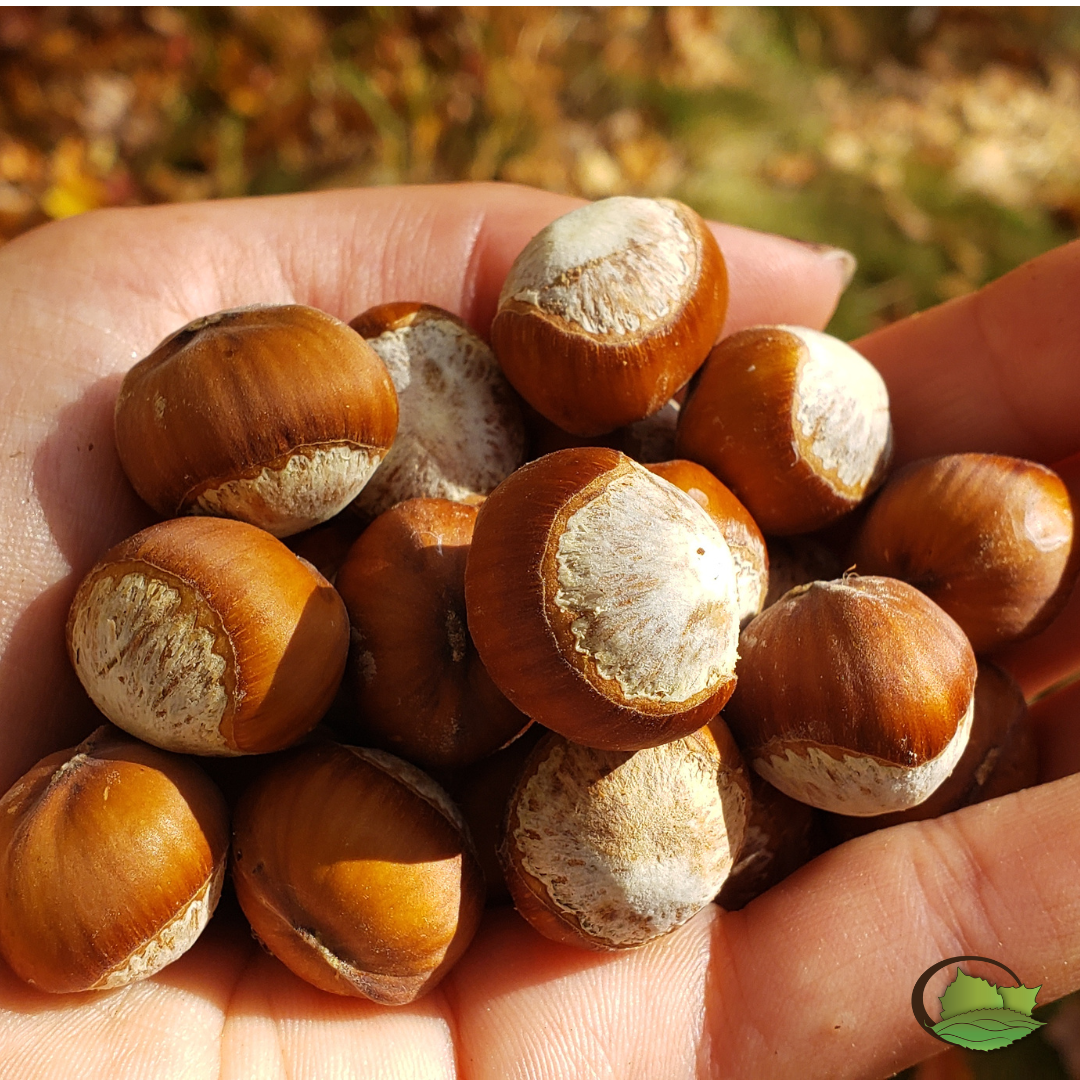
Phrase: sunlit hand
pixel 813 978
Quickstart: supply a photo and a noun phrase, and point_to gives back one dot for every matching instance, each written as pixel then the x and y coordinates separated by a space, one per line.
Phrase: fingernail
pixel 844 259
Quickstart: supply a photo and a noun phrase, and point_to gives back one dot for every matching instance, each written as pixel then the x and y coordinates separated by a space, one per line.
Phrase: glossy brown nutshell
pixel 1000 713
pixel 112 856
pixel 609 310
pixel 854 695
pixel 460 430
pixel 739 528
pixel 354 870
pixel 611 849
pixel 989 538
pixel 603 600
pixel 208 636
pixel 274 415
pixel 421 688
pixel 794 421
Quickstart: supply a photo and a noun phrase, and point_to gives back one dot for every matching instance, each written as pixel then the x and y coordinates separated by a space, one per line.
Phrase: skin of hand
pixel 810 980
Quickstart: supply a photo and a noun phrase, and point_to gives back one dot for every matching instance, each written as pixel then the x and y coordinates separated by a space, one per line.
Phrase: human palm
pixel 811 979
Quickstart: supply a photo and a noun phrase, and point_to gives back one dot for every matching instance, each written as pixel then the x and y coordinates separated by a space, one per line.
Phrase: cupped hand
pixel 812 979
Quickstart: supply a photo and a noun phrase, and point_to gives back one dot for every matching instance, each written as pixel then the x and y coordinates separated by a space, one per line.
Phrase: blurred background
pixel 940 145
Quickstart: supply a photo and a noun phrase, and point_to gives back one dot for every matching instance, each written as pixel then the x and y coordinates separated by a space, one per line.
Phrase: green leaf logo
pixel 966 994
pixel 986 1029
pixel 1020 999
pixel 976 1014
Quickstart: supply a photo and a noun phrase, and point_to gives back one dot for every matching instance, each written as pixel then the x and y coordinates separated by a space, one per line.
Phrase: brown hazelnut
pixel 421 689
pixel 112 856
pixel 274 415
pixel 354 869
pixel 794 421
pixel 609 849
pixel 603 600
pixel 460 430
pixel 854 695
pixel 989 538
pixel 739 528
pixel 208 636
pixel 609 310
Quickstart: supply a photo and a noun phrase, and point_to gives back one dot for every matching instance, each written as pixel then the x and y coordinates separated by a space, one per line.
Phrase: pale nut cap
pixel 612 849
pixel 614 268
pixel 460 430
pixel 841 413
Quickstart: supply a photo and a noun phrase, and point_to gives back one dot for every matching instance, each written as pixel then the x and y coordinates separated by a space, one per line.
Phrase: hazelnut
pixel 854 695
pixel 1000 712
pixel 608 849
pixel 274 415
pixel 739 528
pixel 460 430
pixel 208 636
pixel 421 689
pixel 609 310
pixel 112 856
pixel 603 600
pixel 355 870
pixel 987 537
pixel 794 421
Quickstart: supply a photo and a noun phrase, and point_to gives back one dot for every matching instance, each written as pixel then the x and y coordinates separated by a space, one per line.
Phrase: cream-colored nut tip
pixel 629 845
pixel 149 666
pixel 313 485
pixel 613 268
pixel 460 432
pixel 841 411
pixel 861 785
pixel 651 585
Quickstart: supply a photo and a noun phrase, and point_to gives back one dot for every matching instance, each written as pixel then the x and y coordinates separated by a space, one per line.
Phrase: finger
pixel 777 280
pixel 165 1027
pixel 280 1027
pixel 527 1008
pixel 995 371
pixel 822 967
pixel 343 251
pixel 813 979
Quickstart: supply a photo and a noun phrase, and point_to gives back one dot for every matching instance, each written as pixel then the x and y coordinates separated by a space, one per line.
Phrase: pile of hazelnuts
pixel 471 671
